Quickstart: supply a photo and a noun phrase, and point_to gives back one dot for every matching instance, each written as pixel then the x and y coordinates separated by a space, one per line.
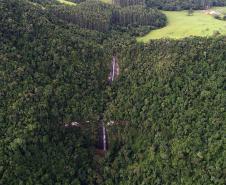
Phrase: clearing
pixel 181 25
pixel 67 2
pixel 74 4
pixel 106 1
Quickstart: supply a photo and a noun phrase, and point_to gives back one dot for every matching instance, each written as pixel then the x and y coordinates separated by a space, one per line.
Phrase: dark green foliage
pixel 217 17
pixel 173 93
pixel 50 75
pixel 138 16
pixel 92 15
pixel 224 17
pixel 135 31
pixel 102 17
pixel 45 2
pixel 190 12
pixel 77 1
pixel 128 2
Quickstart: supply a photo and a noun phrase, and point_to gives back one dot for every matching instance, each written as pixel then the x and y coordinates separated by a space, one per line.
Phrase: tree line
pixel 102 17
pixel 124 3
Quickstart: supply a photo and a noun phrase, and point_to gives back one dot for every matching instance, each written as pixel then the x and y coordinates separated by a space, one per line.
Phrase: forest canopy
pixel 96 15
pixel 49 78
pixel 173 95
pixel 54 66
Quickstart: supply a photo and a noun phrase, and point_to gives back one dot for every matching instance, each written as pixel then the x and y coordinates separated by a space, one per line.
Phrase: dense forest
pixel 128 2
pixel 44 2
pixel 173 94
pixel 53 71
pixel 51 75
pixel 102 17
pixel 76 1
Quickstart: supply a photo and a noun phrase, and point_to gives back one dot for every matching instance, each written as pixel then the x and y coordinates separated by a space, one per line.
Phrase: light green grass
pixel 181 25
pixel 220 9
pixel 67 2
pixel 106 1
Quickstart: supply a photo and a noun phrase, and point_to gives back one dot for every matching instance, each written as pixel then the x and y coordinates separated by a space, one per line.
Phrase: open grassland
pixel 106 1
pixel 181 25
pixel 67 2
pixel 220 9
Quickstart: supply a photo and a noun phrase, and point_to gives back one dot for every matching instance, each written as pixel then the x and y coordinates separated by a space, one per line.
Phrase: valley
pixel 121 92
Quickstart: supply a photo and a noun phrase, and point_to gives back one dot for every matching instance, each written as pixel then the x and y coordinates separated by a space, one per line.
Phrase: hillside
pixel 84 103
pixel 50 76
pixel 173 94
pixel 103 17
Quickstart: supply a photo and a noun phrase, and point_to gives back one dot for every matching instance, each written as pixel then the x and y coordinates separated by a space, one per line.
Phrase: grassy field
pixel 220 9
pixel 181 25
pixel 67 2
pixel 106 1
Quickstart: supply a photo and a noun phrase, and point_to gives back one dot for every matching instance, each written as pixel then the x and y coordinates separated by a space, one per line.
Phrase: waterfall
pixel 103 141
pixel 104 137
pixel 113 69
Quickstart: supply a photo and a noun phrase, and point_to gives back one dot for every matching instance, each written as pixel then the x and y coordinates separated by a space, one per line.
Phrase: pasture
pixel 181 25
pixel 67 2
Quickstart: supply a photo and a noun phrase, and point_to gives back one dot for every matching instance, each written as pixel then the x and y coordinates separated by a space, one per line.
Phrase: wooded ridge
pixel 166 108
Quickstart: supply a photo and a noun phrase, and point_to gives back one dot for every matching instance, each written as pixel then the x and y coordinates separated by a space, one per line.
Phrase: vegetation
pixel 103 17
pixel 72 3
pixel 180 25
pixel 91 15
pixel 54 65
pixel 107 1
pixel 51 74
pixel 172 93
pixel 124 3
pixel 76 1
pixel 222 10
pixel 45 2
pixel 184 4
pixel 138 16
